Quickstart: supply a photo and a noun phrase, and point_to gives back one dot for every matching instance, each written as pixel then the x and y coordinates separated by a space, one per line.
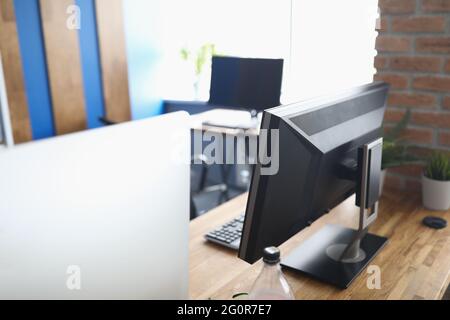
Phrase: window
pixel 247 28
pixel 326 44
pixel 333 46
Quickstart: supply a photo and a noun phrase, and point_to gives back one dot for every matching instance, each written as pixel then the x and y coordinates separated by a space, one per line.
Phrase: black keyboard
pixel 229 234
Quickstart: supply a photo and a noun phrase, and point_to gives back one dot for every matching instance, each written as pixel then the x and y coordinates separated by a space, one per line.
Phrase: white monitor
pixel 101 214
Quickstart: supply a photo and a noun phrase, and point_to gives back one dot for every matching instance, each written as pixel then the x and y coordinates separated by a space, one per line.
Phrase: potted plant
pixel 436 183
pixel 199 59
pixel 395 151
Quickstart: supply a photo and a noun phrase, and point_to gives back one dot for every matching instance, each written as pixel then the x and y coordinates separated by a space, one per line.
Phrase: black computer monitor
pixel 328 148
pixel 247 83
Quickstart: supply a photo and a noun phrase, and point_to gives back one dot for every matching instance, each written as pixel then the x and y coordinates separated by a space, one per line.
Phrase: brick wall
pixel 413 47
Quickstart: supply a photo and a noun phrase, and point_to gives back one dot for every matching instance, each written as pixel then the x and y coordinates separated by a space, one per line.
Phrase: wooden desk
pixel 415 264
pixel 198 122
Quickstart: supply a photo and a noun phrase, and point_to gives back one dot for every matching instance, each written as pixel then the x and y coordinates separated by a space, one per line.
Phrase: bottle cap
pixel 271 255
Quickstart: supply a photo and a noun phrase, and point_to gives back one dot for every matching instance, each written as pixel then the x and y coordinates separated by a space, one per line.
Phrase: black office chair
pixel 199 184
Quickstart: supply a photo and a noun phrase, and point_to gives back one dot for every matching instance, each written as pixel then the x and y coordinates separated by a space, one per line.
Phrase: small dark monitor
pixel 247 83
pixel 324 147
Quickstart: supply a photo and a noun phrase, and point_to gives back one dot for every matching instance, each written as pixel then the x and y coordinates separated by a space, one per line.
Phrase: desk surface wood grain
pixel 415 264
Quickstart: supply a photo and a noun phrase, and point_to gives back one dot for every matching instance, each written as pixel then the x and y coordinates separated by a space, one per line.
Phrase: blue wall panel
pixel 90 60
pixel 34 67
pixel 143 40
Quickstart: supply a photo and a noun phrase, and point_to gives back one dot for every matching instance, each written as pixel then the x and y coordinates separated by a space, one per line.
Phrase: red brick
pixel 380 62
pixel 420 152
pixel 424 64
pixel 393 44
pixel 444 138
pixel 396 81
pixel 436 5
pixel 413 135
pixel 412 170
pixel 433 44
pixel 433 83
pixel 421 136
pixel 393 115
pixel 432 119
pixel 382 25
pixel 418 24
pixel 387 127
pixel 446 103
pixel 413 100
pixel 447 66
pixel 397 6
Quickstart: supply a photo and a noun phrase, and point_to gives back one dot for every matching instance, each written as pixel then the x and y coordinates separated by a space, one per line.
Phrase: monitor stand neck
pixel 353 252
pixel 336 254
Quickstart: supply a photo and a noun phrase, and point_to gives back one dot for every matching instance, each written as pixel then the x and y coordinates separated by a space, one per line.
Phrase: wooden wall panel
pixel 12 64
pixel 111 35
pixel 64 67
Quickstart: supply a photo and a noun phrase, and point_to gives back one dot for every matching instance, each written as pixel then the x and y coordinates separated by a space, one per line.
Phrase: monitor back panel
pixel 307 184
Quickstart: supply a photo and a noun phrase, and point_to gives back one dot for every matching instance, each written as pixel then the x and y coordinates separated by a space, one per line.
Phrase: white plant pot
pixel 435 194
pixel 382 178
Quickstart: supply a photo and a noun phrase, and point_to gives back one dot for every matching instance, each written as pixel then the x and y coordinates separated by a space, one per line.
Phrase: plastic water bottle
pixel 271 284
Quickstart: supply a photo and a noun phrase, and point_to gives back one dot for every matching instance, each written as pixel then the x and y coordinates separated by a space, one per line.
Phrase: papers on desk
pixel 226 118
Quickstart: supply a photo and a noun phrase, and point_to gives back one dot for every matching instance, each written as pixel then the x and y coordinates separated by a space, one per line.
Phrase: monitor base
pixel 316 256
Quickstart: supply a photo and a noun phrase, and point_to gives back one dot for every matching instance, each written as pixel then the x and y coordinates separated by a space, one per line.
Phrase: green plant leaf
pixel 395 132
pixel 438 167
pixel 185 54
pixel 204 55
pixel 395 150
